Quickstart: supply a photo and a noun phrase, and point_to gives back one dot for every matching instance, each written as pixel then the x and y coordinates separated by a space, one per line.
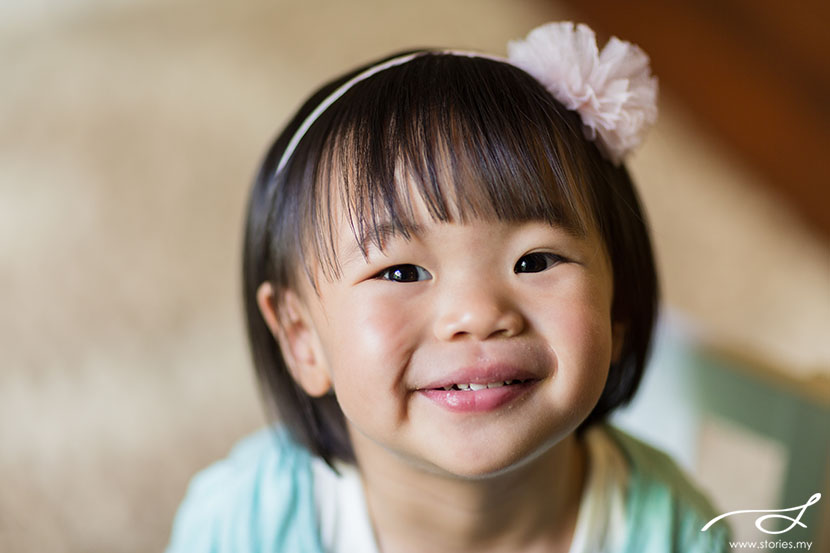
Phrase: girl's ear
pixel 289 320
pixel 618 332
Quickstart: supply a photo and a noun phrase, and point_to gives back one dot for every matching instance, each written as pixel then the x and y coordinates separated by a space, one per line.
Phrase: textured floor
pixel 129 133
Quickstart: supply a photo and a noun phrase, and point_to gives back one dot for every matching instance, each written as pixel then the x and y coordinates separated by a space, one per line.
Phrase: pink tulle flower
pixel 613 90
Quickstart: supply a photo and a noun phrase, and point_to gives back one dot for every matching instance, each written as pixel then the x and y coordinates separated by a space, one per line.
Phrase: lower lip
pixel 469 401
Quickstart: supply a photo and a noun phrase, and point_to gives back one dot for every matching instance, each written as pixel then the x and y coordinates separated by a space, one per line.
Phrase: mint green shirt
pixel 261 499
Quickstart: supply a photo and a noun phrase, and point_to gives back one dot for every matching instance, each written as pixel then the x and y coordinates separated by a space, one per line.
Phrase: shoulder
pixel 665 510
pixel 259 498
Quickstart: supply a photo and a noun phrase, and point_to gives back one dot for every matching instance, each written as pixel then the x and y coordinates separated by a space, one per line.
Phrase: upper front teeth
pixel 473 387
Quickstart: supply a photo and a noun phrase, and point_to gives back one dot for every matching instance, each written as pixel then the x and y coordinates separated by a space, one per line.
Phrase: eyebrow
pixel 378 235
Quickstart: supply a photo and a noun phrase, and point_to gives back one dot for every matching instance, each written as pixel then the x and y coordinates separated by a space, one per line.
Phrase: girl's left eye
pixel 405 273
pixel 537 262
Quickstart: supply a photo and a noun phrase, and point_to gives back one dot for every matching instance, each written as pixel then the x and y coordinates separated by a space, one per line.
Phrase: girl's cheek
pixel 377 326
pixel 577 323
pixel 374 339
pixel 590 354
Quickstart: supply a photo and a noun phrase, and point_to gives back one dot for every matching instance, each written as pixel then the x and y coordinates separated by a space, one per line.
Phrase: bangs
pixel 472 138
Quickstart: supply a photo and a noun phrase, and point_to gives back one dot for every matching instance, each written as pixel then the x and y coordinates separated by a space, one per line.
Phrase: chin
pixel 488 461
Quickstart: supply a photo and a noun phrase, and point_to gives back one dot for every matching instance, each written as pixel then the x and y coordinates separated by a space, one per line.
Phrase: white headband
pixel 613 91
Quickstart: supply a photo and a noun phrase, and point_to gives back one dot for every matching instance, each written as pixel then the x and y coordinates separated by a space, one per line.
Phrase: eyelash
pixel 407 272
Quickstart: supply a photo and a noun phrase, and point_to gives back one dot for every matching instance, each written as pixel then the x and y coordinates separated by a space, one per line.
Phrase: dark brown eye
pixel 537 262
pixel 405 273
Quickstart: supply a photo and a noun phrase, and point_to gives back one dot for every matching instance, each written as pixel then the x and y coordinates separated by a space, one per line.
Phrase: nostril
pixel 510 324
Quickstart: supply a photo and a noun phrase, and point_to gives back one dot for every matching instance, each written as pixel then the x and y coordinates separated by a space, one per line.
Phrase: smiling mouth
pixel 474 387
pixel 480 397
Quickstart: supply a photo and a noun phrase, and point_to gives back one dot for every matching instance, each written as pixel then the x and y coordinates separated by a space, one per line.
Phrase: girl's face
pixel 464 349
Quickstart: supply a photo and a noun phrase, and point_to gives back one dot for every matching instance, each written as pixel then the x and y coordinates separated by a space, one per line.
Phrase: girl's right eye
pixel 404 273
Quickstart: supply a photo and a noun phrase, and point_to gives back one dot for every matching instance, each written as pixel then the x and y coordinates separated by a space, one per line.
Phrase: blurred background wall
pixel 129 133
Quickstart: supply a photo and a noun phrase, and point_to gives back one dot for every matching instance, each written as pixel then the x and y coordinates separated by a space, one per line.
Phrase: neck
pixel 528 508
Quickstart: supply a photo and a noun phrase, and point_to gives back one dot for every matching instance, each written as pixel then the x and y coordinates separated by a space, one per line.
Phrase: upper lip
pixel 482 374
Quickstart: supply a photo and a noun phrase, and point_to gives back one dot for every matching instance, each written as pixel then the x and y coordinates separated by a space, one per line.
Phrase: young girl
pixel 449 286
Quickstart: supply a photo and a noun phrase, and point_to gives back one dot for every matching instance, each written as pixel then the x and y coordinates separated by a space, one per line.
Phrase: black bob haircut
pixel 479 138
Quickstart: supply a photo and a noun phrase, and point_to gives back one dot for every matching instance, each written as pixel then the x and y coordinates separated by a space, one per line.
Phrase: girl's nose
pixel 476 313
